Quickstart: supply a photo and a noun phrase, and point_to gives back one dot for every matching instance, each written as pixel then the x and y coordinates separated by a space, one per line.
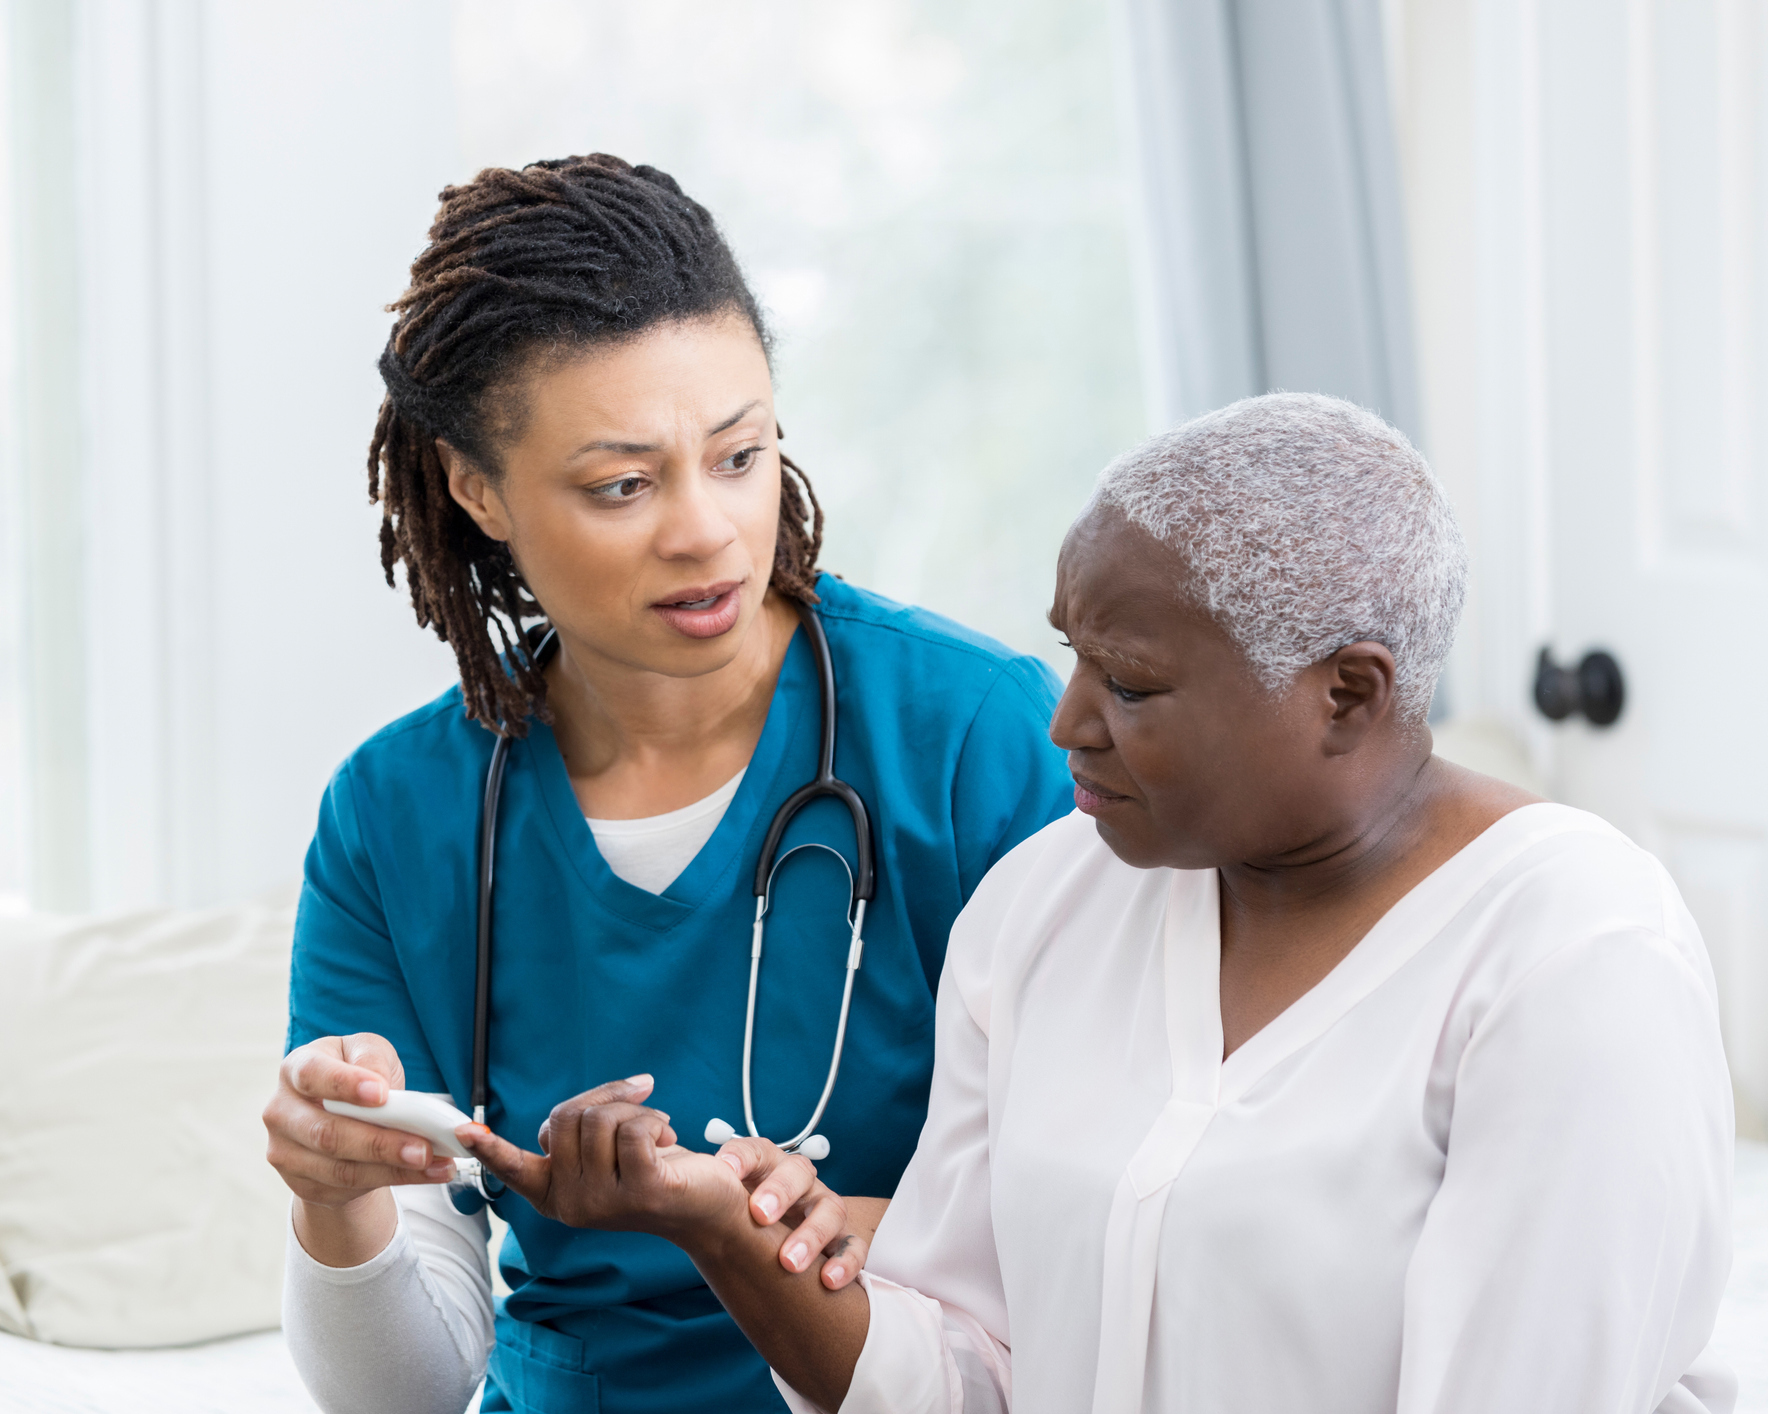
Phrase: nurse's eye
pixel 1122 693
pixel 627 488
pixel 739 462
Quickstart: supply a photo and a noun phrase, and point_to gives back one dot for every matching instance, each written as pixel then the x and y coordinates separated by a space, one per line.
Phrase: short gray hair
pixel 1307 523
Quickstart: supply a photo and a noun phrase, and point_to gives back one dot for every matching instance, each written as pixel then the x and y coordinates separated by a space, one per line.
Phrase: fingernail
pixel 413 1154
pixel 440 1170
pixel 372 1092
pixel 834 1274
pixel 796 1255
pixel 769 1205
pixel 636 1080
pixel 736 1166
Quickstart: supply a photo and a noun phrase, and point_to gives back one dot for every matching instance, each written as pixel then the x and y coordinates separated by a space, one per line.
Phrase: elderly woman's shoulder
pixel 1565 874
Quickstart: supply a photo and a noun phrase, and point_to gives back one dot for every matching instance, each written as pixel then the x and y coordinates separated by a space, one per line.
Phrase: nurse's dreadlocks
pixel 522 267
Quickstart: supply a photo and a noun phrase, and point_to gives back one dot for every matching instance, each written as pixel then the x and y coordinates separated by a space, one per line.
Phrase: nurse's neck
pixel 640 741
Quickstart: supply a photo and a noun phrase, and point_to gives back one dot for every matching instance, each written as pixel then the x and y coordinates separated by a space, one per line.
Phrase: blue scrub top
pixel 941 730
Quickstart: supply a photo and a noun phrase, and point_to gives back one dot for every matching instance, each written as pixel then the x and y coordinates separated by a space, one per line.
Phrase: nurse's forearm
pixel 811 1335
pixel 350 1235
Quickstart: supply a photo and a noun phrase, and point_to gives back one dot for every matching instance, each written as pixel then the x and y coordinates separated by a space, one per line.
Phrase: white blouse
pixel 1484 1165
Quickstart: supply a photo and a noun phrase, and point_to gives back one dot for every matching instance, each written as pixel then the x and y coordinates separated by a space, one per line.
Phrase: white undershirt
pixel 651 853
pixel 409 1331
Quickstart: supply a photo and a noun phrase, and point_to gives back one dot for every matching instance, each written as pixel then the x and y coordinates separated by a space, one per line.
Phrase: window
pixel 931 203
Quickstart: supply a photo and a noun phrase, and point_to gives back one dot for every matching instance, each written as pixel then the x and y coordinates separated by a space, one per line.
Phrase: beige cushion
pixel 136 1053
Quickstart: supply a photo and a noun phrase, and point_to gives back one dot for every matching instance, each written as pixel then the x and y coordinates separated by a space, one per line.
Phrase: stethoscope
pixel 474 1183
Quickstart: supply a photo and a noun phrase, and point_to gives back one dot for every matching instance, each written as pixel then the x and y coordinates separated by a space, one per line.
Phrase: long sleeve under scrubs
pixel 943 733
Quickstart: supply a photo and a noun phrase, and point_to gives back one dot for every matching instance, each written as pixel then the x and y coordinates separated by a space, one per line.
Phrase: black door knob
pixel 1594 687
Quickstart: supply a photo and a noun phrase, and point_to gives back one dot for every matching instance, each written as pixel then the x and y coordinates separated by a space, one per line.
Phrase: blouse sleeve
pixel 1574 1256
pixel 937 1342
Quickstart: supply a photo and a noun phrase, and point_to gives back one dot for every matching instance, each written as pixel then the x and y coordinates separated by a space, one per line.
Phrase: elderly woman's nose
pixel 1077 724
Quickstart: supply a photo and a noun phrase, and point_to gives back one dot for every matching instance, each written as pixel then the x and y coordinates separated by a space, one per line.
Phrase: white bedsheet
pixel 253 1374
pixel 250 1374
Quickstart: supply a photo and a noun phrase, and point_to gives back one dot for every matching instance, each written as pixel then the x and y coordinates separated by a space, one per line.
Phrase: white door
pixel 1589 185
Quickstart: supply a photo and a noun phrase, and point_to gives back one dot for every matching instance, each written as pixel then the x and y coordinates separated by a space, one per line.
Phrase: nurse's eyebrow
pixel 734 418
pixel 631 449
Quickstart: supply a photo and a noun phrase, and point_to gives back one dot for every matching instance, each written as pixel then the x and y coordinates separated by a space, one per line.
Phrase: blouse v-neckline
pixel 1421 913
pixel 1203 1082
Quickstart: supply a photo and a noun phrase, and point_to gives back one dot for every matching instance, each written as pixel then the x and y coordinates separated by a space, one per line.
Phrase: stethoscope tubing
pixel 862 889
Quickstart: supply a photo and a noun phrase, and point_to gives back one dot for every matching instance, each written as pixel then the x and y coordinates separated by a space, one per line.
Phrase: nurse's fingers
pixel 325 1161
pixel 843 1259
pixel 333 1184
pixel 777 1181
pixel 306 1139
pixel 360 1069
pixel 821 1227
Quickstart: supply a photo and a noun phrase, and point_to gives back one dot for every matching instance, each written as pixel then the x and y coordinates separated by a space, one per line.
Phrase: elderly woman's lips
pixel 1090 797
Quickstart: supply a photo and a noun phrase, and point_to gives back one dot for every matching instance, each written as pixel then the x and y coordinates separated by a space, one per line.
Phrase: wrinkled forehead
pixel 1121 590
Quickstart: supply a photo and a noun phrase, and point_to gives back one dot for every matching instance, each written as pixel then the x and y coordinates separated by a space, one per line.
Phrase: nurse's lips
pixel 703 610
pixel 1090 797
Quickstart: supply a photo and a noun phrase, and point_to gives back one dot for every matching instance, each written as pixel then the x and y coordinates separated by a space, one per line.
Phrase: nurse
pixel 579 429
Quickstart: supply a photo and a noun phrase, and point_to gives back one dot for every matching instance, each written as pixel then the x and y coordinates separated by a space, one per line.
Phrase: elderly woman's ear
pixel 1358 682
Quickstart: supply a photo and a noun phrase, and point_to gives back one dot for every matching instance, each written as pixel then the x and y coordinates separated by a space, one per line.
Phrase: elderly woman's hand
pixel 610 1162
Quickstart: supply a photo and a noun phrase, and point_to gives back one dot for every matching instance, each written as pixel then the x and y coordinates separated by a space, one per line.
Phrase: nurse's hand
pixel 608 1162
pixel 785 1187
pixel 331 1161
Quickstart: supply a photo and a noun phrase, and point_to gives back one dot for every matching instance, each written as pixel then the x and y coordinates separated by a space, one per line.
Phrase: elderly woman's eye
pixel 1122 693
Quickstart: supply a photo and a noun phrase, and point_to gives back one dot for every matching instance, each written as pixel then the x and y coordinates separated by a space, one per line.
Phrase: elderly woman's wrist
pixel 725 1236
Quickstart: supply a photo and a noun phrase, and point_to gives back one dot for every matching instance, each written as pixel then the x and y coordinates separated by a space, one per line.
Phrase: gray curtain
pixel 1275 248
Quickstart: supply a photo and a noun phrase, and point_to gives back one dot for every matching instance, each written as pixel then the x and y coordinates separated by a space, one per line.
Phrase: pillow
pixel 136 1054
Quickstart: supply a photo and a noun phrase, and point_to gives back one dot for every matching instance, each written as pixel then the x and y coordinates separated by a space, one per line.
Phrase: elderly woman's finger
pixel 631 1090
pixel 583 1135
pixel 528 1174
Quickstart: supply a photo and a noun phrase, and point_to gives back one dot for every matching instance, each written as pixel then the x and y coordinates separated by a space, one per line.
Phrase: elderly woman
pixel 1298 1069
